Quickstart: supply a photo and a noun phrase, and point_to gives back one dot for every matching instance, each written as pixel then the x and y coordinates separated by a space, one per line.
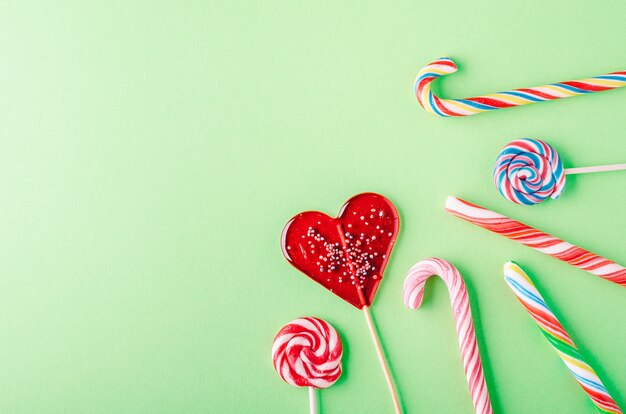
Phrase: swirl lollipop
pixel 528 171
pixel 307 353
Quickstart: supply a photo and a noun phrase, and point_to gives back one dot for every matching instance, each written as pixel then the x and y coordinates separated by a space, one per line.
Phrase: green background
pixel 151 153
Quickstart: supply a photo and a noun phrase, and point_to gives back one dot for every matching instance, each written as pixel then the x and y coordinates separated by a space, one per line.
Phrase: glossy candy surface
pixel 348 254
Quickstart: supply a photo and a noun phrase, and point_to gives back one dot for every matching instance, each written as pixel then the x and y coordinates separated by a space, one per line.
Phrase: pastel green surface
pixel 152 151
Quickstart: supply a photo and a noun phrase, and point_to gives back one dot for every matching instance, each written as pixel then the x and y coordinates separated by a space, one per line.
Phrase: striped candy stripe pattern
pixel 413 293
pixel 538 240
pixel 536 306
pixel 307 353
pixel 516 97
pixel 528 171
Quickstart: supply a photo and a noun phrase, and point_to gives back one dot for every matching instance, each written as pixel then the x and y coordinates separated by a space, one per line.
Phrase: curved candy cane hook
pixel 516 97
pixel 413 293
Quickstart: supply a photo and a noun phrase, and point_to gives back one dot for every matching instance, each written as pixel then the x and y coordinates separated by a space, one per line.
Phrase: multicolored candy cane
pixel 516 97
pixel 538 240
pixel 531 299
pixel 529 171
pixel 413 293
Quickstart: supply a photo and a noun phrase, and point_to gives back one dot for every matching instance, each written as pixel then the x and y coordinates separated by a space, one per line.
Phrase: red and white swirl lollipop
pixel 307 353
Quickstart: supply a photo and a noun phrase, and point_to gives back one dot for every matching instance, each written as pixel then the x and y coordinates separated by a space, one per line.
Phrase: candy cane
pixel 529 171
pixel 538 240
pixel 307 353
pixel 413 293
pixel 516 97
pixel 555 333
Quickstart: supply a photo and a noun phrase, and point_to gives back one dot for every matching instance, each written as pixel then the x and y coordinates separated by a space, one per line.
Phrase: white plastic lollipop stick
pixel 597 168
pixel 312 401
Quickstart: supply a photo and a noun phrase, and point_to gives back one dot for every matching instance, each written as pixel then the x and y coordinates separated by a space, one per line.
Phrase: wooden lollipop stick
pixel 381 358
pixel 598 168
pixel 312 401
pixel 370 325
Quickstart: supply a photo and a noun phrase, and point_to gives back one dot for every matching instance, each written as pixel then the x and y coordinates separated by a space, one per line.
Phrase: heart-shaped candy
pixel 348 254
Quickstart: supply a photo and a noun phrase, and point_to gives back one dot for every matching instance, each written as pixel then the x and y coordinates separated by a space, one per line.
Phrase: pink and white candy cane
pixel 307 353
pixel 413 293
pixel 516 97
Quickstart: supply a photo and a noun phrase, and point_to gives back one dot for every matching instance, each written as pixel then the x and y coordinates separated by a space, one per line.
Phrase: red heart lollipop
pixel 348 254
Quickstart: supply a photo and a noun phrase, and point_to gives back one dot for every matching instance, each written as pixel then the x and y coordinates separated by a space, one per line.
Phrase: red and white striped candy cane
pixel 413 293
pixel 538 240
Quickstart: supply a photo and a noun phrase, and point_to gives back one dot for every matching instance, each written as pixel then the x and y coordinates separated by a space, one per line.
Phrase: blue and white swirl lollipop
pixel 529 171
